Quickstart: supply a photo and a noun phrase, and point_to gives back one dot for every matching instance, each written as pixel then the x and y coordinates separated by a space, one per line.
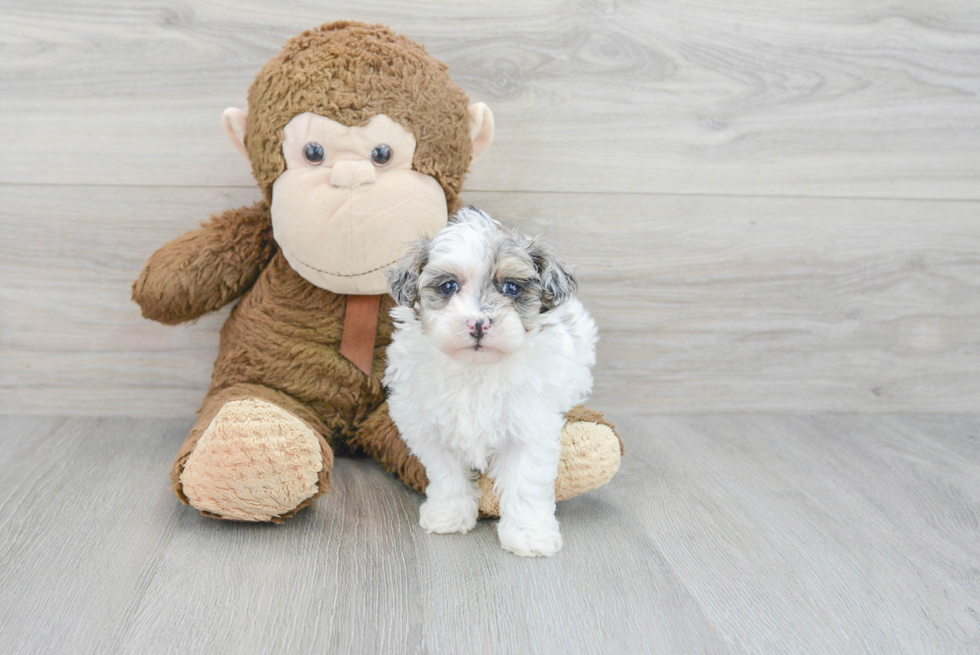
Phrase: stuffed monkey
pixel 360 143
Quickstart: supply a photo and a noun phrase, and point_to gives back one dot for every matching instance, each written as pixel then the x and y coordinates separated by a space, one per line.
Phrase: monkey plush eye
pixel 381 155
pixel 313 152
pixel 511 290
pixel 449 288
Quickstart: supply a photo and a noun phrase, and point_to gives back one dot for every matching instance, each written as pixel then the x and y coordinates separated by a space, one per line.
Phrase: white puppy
pixel 490 350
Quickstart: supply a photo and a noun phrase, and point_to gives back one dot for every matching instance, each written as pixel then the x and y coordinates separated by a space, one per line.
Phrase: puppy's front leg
pixel 525 472
pixel 452 498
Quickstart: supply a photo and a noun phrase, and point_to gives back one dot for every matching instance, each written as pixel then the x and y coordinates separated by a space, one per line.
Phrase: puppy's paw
pixel 444 516
pixel 539 540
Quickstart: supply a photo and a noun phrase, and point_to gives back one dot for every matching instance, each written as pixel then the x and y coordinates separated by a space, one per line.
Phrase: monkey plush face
pixel 349 201
pixel 360 141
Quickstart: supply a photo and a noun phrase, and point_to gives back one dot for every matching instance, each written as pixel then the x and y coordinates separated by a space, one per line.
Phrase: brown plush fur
pixel 207 268
pixel 281 343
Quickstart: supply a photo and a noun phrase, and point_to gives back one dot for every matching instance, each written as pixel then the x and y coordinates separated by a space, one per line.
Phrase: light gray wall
pixel 775 206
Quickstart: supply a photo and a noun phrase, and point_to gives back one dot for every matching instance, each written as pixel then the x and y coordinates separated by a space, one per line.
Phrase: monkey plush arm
pixel 206 268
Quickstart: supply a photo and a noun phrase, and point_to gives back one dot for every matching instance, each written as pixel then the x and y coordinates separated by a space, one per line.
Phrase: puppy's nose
pixel 476 326
pixel 352 174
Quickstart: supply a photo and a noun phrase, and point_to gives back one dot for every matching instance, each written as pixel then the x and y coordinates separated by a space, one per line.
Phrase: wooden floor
pixel 722 534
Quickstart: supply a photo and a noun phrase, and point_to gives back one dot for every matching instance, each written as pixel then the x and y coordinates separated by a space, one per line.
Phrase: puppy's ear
pixel 403 279
pixel 558 283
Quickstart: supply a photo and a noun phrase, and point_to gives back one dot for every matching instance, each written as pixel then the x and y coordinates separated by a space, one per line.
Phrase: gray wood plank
pixel 84 512
pixel 320 583
pixel 122 567
pixel 726 533
pixel 800 98
pixel 23 432
pixel 817 534
pixel 358 575
pixel 958 434
pixel 705 304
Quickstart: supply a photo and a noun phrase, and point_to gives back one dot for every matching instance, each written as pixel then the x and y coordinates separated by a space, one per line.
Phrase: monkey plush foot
pixel 254 462
pixel 590 454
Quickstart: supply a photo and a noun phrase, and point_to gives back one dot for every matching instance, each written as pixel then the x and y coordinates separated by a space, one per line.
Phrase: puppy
pixel 490 349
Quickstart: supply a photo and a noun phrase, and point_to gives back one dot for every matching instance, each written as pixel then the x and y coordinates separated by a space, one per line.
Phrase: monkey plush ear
pixel 235 122
pixel 481 128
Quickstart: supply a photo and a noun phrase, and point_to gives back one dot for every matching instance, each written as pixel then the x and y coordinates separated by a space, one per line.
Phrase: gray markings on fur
pixel 545 281
pixel 403 279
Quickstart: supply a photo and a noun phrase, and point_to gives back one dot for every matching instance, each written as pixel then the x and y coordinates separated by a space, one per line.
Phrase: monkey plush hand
pixel 360 142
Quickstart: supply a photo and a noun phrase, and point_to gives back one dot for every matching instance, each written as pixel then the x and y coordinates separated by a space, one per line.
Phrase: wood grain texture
pixel 724 534
pixel 774 208
pixel 705 304
pixel 817 534
pixel 870 99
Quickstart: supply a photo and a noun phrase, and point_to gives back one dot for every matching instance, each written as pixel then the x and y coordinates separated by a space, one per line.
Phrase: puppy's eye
pixel 449 288
pixel 314 153
pixel 511 290
pixel 381 154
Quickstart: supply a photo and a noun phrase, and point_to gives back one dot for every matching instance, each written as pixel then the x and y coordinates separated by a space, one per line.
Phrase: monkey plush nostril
pixel 351 174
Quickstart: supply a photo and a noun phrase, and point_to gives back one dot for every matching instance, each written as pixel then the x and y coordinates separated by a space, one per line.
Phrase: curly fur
pixel 501 414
